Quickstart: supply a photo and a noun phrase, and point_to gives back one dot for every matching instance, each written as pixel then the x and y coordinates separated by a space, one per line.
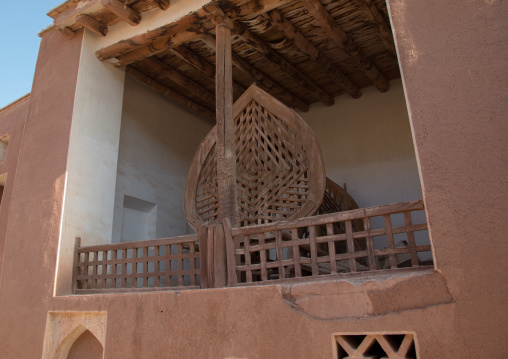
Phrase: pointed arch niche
pixel 67 333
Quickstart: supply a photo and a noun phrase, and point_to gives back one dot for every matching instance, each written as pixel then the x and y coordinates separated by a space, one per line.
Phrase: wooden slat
pixel 411 240
pixel 262 257
pixel 294 35
pixel 260 46
pixel 296 253
pixel 93 25
pixel 171 94
pixel 230 254
pixel 153 48
pixel 343 41
pixel 122 11
pixel 313 248
pixel 75 269
pixel 199 64
pixel 370 244
pixel 162 4
pixel 203 255
pixel 169 73
pixel 332 217
pixel 331 249
pixel 383 28
pixel 389 239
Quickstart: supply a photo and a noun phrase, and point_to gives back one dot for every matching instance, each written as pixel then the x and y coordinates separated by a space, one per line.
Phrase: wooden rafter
pixel 93 25
pixel 383 28
pixel 171 94
pixel 122 11
pixel 169 73
pixel 154 48
pixel 343 41
pixel 237 8
pixel 198 63
pixel 260 46
pixel 300 41
pixel 262 79
pixel 162 4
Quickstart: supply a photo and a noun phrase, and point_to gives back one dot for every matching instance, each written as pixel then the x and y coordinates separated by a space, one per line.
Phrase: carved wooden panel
pixel 279 166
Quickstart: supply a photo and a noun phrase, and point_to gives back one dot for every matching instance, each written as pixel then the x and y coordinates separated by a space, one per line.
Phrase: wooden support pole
pixel 263 80
pixel 122 11
pixel 260 46
pixel 343 41
pixel 226 156
pixel 171 94
pixel 91 24
pixel 175 76
pixel 162 4
pixel 300 41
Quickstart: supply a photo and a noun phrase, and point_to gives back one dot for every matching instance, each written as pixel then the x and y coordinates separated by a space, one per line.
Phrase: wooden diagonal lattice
pixel 279 167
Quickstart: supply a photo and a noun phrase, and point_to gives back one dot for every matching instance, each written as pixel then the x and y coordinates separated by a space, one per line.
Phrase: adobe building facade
pixel 95 153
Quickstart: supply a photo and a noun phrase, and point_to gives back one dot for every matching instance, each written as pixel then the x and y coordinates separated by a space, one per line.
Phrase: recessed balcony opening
pixel 344 83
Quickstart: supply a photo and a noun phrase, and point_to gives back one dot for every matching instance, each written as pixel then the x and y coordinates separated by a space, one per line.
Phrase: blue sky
pixel 21 21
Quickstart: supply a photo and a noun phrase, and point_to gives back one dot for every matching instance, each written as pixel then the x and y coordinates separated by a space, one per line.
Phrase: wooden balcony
pixel 349 243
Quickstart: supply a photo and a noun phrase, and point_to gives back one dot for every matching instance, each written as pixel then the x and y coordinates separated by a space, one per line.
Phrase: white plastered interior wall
pixel 158 140
pixel 92 159
pixel 367 144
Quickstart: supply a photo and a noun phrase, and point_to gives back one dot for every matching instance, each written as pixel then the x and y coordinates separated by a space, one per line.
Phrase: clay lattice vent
pixel 376 346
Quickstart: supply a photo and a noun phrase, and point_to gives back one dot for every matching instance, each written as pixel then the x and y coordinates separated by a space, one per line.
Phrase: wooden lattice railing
pixel 329 244
pixel 365 240
pixel 170 263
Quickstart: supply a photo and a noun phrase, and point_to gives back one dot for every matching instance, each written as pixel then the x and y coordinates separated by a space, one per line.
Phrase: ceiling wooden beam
pixel 262 80
pixel 191 23
pixel 122 11
pixel 162 4
pixel 91 24
pixel 300 41
pixel 171 94
pixel 383 28
pixel 200 64
pixel 169 73
pixel 343 41
pixel 156 47
pixel 306 83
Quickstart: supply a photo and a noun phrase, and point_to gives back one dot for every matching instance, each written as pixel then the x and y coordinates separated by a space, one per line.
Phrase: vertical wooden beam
pixel 226 158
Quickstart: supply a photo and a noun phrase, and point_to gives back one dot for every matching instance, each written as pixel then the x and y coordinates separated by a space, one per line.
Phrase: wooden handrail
pixel 400 207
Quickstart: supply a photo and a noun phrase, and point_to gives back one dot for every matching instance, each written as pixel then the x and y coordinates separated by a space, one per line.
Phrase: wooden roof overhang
pixel 301 52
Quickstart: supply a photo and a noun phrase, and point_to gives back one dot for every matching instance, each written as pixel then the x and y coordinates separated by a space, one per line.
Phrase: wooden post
pixel 75 267
pixel 226 157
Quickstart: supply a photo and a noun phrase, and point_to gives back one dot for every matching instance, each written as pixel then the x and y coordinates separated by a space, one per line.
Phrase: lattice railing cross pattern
pixel 325 245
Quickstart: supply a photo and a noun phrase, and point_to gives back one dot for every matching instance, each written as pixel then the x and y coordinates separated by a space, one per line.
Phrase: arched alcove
pixel 86 346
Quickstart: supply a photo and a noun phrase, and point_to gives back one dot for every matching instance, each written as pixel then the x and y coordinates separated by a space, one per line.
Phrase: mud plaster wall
pixel 158 140
pixel 464 190
pixel 453 61
pixel 12 121
pixel 367 144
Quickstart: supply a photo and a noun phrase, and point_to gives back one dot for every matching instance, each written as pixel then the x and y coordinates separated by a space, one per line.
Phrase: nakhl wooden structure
pixel 257 181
